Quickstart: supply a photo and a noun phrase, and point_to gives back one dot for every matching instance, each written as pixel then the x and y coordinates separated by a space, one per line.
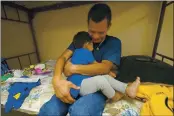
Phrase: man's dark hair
pixel 99 12
pixel 80 39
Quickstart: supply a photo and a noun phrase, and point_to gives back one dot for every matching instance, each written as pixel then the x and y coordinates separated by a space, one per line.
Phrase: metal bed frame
pixel 163 8
pixel 31 13
pixel 18 57
pixel 66 4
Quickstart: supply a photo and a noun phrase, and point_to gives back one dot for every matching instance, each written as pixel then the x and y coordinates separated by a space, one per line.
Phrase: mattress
pixel 43 93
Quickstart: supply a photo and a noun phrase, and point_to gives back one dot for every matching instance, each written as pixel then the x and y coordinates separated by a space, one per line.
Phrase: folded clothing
pixel 40 66
pixel 6 76
pixel 4 66
pixel 17 94
pixel 22 79
pixel 18 73
pixel 159 100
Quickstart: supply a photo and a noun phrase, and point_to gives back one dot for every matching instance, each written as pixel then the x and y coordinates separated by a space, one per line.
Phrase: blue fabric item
pixel 80 56
pixel 24 90
pixel 24 77
pixel 88 105
pixel 4 66
pixel 2 59
pixel 110 50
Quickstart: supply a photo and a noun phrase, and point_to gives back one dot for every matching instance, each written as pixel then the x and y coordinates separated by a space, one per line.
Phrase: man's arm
pixel 61 63
pixel 61 86
pixel 92 69
pixel 111 73
pixel 110 57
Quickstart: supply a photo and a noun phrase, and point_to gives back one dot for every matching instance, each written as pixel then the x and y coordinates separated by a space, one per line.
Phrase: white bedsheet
pixel 41 94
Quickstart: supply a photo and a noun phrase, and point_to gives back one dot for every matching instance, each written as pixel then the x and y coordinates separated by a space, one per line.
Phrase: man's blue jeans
pixel 89 105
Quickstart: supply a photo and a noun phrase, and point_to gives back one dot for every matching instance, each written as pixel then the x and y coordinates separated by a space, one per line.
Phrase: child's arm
pixel 112 74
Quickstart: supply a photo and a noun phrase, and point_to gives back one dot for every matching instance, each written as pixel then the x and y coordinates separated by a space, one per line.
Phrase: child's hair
pixel 80 39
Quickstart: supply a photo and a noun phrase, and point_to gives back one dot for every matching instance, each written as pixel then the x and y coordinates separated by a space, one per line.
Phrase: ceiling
pixel 34 4
pixel 40 6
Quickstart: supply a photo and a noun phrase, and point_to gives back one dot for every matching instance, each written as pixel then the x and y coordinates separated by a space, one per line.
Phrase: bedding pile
pixel 42 93
pixel 125 107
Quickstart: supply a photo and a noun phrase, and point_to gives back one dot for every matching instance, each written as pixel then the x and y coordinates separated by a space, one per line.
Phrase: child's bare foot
pixel 132 89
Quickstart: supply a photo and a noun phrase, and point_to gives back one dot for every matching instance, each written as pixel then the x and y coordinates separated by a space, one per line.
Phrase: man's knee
pixel 79 110
pixel 53 107
pixel 86 105
pixel 80 107
pixel 84 110
pixel 47 110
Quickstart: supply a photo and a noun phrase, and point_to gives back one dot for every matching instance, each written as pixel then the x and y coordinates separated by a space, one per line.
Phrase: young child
pixel 104 83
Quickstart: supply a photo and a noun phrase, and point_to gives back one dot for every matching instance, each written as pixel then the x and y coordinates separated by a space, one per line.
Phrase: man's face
pixel 98 31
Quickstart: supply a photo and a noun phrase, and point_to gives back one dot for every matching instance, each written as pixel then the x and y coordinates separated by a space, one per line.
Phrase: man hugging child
pixel 105 83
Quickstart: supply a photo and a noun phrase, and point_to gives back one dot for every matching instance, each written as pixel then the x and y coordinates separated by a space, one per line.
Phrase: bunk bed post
pixel 163 8
pixel 31 16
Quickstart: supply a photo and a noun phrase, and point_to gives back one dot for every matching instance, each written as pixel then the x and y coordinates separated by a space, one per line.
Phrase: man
pixel 107 51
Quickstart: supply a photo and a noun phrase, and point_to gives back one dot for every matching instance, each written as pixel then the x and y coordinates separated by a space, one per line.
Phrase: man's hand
pixel 62 90
pixel 68 69
pixel 112 74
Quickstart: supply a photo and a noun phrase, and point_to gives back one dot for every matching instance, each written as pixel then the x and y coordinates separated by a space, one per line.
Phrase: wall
pixel 135 23
pixel 165 45
pixel 16 38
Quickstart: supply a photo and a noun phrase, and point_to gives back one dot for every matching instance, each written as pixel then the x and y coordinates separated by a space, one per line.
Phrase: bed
pixel 44 92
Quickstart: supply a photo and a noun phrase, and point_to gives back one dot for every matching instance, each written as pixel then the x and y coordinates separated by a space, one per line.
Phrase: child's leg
pixel 115 84
pixel 97 83
pixel 124 88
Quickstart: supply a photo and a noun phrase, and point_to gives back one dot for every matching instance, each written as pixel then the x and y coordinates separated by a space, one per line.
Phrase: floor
pixel 14 113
